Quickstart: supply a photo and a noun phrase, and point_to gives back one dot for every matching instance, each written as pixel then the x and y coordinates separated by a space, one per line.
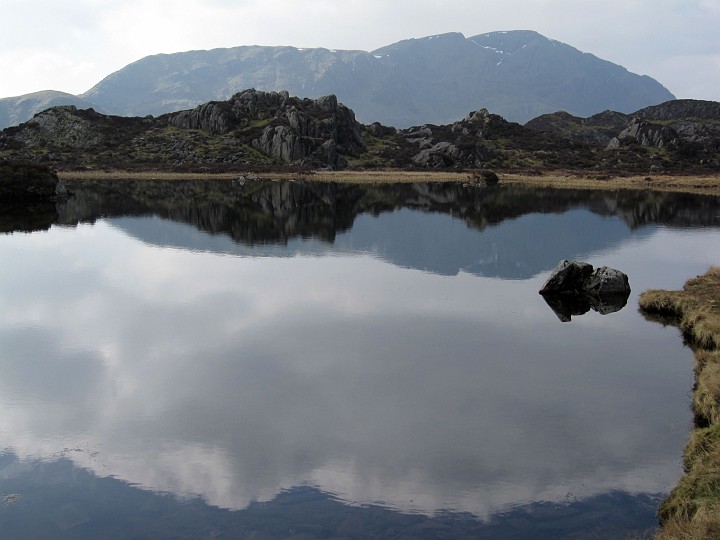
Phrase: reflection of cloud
pixel 233 378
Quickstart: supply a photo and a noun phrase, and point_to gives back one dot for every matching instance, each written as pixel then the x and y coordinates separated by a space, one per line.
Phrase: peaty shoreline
pixel 692 510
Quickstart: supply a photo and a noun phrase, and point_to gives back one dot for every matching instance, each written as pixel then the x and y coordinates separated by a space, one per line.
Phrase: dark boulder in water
pixel 568 276
pixel 575 287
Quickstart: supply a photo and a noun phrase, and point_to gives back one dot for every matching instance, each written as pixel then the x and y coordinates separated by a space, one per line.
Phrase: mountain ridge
pixel 435 79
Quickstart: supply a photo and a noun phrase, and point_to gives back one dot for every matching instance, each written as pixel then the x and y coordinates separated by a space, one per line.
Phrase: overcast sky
pixel 72 45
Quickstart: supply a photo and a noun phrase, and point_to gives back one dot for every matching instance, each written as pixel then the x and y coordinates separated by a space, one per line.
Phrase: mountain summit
pixel 437 79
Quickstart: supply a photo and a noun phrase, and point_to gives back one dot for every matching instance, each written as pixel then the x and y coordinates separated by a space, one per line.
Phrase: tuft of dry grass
pixel 692 511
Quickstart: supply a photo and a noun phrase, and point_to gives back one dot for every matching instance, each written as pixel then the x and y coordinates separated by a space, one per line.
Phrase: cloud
pixel 43 69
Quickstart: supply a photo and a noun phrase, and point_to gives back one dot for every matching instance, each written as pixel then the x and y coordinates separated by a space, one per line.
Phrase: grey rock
pixel 648 134
pixel 607 281
pixel 614 144
pixel 440 155
pixel 568 276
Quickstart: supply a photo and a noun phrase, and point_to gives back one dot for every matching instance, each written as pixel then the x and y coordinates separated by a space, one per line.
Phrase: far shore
pixel 705 184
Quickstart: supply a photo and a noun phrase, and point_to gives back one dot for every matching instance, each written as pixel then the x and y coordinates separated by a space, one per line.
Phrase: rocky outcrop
pixel 575 287
pixel 687 130
pixel 596 130
pixel 697 109
pixel 60 126
pixel 320 132
pixel 242 109
pixel 21 183
pixel 270 129
pixel 463 144
pixel 648 134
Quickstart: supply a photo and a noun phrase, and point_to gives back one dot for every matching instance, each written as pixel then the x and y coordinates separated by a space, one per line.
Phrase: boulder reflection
pixel 566 306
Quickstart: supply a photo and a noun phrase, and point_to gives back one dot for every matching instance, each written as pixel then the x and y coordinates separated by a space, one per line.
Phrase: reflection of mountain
pixel 524 231
pixel 515 249
pixel 64 498
pixel 518 225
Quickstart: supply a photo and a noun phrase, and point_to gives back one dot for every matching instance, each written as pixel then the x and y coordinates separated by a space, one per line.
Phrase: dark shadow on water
pixel 57 500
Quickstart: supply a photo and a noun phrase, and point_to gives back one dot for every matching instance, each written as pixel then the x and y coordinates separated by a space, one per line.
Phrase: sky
pixel 72 45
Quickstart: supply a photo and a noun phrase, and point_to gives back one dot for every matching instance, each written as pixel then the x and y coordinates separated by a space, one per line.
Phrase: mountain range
pixel 437 79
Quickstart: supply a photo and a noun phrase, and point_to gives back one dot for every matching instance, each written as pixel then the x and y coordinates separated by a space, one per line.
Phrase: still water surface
pixel 393 375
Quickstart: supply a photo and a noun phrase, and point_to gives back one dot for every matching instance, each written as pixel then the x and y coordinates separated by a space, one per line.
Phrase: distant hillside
pixel 255 130
pixel 438 79
pixel 14 110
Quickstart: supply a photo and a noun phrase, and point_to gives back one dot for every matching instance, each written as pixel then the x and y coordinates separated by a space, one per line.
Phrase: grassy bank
pixel 692 511
pixel 700 184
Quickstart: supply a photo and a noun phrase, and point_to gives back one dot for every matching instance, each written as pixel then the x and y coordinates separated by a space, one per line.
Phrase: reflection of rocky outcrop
pixel 257 217
pixel 27 217
pixel 288 209
pixel 263 211
pixel 575 287
pixel 254 212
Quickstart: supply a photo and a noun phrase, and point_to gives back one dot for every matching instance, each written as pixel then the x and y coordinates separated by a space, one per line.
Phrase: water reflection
pixel 78 504
pixel 567 306
pixel 417 386
pixel 423 226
